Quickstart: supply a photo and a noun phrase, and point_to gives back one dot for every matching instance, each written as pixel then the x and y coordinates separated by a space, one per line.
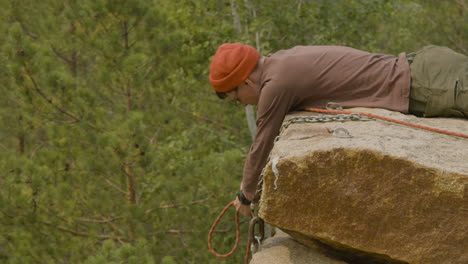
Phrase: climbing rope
pixel 213 227
pixel 236 243
pixel 389 120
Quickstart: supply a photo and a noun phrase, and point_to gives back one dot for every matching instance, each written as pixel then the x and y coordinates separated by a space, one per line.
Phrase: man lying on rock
pixel 430 82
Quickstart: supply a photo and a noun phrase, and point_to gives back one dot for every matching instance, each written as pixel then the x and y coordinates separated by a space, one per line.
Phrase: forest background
pixel 113 146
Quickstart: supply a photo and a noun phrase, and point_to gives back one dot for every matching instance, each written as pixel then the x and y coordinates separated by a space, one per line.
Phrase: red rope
pixel 389 120
pixel 213 227
pixel 236 244
pixel 247 252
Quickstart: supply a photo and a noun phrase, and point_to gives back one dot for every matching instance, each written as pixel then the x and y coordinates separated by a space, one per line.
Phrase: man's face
pixel 245 94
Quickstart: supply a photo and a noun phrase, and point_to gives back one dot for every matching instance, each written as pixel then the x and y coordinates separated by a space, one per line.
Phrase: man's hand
pixel 243 209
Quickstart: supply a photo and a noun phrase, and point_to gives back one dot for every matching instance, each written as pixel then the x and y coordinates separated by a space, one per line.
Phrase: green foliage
pixel 113 147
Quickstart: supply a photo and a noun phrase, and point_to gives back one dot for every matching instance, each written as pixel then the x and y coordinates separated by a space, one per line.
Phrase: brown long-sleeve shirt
pixel 312 76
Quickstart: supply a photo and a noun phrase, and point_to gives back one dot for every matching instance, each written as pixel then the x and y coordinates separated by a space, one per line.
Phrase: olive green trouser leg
pixel 439 83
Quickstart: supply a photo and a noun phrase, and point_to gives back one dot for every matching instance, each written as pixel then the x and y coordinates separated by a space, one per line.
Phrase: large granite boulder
pixel 388 194
pixel 282 249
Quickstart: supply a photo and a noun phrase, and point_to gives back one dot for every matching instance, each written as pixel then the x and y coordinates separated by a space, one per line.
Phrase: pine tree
pixel 113 148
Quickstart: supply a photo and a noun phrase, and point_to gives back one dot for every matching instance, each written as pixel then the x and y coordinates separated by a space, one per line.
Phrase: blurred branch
pixel 151 141
pixel 25 30
pixel 204 118
pixel 131 184
pixel 103 220
pixel 149 69
pixel 116 228
pixel 235 16
pixel 60 55
pixel 85 234
pixel 98 221
pixel 249 110
pixel 44 96
pixel 299 6
pixel 167 206
pixel 461 6
pixel 180 231
pixel 7 215
pixel 456 44
pixel 125 33
pixel 36 149
pixel 177 231
pixel 115 186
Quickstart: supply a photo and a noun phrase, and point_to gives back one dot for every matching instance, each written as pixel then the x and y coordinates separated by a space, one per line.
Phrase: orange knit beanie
pixel 231 65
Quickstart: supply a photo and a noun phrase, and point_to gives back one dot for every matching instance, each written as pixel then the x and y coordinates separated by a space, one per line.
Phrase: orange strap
pixel 389 120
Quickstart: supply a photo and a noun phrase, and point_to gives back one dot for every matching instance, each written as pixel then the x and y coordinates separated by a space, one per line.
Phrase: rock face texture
pixel 282 249
pixel 389 194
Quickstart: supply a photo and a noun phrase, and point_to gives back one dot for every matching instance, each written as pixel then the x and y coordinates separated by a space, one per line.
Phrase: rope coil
pixel 236 243
pixel 213 227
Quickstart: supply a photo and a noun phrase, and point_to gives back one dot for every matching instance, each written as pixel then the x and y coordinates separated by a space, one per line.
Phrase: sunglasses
pixel 223 95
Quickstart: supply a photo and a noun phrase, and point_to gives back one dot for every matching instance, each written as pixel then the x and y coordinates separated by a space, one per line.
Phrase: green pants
pixel 439 83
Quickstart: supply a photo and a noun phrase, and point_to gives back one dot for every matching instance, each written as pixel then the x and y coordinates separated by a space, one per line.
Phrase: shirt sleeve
pixel 273 106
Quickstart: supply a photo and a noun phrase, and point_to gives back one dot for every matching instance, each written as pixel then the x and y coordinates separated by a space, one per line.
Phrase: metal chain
pixel 310 119
pixel 325 118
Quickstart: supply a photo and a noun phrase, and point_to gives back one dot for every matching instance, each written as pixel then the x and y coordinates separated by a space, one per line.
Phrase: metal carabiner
pixel 333 106
pixel 256 240
pixel 341 133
